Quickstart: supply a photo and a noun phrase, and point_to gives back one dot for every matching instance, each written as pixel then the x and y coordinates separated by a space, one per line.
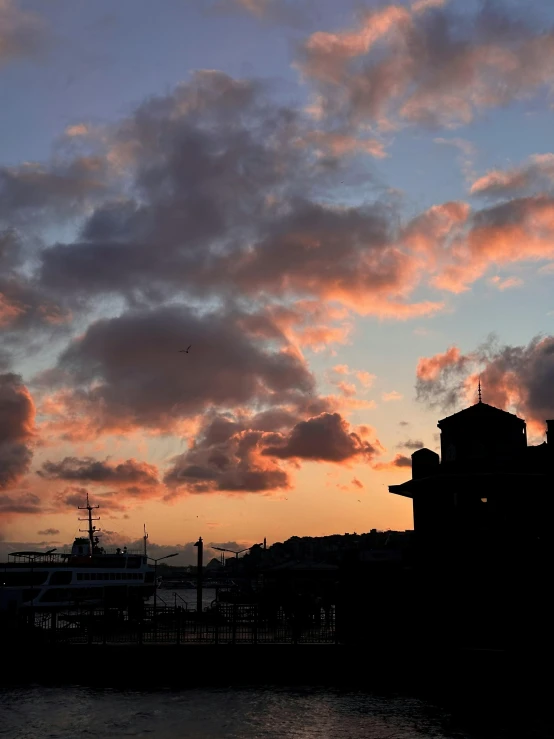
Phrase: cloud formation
pixel 60 189
pixel 326 438
pixel 400 461
pixel 24 305
pixel 536 174
pixel 17 430
pixel 233 454
pixel 22 33
pixel 517 378
pixel 24 503
pixel 131 477
pixel 460 244
pixel 411 444
pixel 230 188
pixel 427 65
pixel 127 372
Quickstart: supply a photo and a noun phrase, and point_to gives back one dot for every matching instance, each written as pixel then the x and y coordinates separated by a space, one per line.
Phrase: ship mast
pixel 91 528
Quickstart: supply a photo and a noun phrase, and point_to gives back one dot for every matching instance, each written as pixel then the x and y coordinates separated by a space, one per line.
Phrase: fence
pixel 225 623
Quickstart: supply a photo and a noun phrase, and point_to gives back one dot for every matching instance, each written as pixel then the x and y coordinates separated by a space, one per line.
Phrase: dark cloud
pixel 228 197
pixel 71 497
pixel 59 189
pixel 17 416
pixel 203 162
pixel 325 438
pixel 410 444
pixel 74 496
pixel 227 456
pixel 127 371
pixel 22 33
pixel 23 503
pixel 113 501
pixel 25 307
pixel 242 454
pixel 87 469
pixel 48 532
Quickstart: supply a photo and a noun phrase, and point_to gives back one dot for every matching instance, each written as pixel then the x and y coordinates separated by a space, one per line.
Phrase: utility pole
pixel 200 545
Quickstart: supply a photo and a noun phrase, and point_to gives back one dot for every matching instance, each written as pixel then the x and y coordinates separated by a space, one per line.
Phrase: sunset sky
pixel 345 208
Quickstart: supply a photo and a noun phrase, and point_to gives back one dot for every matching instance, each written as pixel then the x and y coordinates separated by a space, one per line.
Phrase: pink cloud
pixel 365 378
pixel 512 378
pixel 536 173
pixel 341 369
pixel 429 368
pixel 505 284
pixel 348 389
pixel 77 129
pixel 396 66
pixel 400 461
pixel 393 395
pixel 340 144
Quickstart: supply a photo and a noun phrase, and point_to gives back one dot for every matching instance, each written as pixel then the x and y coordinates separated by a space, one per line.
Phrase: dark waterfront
pixel 264 713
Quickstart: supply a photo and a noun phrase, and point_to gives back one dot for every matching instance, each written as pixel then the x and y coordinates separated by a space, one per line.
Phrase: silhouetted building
pixel 483 515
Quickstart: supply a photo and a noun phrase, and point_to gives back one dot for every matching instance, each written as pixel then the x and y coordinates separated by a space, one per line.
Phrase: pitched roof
pixel 482 411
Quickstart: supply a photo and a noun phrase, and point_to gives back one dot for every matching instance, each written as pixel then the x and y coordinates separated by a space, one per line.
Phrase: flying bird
pixel 185 351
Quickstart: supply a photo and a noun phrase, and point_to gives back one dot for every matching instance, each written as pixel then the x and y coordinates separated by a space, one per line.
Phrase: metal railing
pixel 224 623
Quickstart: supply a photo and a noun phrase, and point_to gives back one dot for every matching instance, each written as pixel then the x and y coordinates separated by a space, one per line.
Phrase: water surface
pixel 260 713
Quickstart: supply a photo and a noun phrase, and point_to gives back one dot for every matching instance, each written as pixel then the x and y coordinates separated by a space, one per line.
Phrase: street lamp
pixel 233 551
pixel 159 559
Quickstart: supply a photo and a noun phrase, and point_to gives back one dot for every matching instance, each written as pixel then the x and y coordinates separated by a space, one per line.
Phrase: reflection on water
pixel 75 712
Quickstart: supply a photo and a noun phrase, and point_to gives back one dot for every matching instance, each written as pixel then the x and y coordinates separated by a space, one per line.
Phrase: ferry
pixel 88 575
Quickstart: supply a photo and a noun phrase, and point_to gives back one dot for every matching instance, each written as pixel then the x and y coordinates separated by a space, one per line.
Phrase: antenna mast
pixel 92 530
pixel 479 390
pixel 144 538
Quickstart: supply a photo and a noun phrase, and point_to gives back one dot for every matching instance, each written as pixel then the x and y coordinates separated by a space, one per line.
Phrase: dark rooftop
pixel 481 411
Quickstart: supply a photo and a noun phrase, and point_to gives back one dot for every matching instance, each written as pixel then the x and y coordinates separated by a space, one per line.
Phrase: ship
pixel 89 575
